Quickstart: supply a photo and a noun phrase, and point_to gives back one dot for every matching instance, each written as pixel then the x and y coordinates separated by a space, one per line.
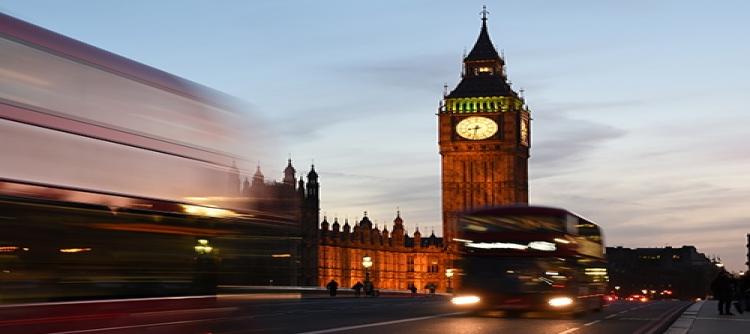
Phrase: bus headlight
pixel 560 301
pixel 465 300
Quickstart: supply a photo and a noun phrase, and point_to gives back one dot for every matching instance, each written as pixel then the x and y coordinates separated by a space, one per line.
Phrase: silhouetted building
pixel 684 271
pixel 292 197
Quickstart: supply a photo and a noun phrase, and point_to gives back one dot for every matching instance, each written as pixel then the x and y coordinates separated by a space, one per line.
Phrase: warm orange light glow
pixel 207 211
pixel 8 249
pixel 465 300
pixel 74 250
pixel 560 301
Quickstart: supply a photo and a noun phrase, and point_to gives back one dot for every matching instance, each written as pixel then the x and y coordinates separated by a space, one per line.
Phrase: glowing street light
pixel 367 263
pixel 449 275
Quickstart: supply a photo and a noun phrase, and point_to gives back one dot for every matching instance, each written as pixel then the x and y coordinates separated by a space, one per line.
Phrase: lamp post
pixel 367 263
pixel 449 275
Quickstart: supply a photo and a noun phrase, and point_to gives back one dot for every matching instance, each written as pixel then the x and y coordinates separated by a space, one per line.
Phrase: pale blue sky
pixel 640 107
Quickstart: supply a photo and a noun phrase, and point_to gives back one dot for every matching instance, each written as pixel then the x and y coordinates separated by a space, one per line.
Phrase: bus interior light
pixel 465 300
pixel 542 246
pixel 462 240
pixel 561 241
pixel 560 301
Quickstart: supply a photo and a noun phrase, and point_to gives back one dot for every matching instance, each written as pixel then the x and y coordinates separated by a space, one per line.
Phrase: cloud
pixel 423 73
pixel 567 141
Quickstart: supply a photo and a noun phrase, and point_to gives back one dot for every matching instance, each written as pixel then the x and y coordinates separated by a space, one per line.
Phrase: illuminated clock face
pixel 476 128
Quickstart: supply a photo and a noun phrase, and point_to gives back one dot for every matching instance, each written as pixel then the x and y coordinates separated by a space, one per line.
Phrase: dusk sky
pixel 639 107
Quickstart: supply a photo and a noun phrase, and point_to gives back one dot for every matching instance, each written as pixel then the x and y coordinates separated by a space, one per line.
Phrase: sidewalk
pixel 703 318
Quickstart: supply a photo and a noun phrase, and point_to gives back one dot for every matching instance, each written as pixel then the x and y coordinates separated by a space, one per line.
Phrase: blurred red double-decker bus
pixel 530 258
pixel 118 179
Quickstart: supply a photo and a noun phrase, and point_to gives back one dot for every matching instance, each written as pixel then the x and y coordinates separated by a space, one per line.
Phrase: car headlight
pixel 560 301
pixel 465 300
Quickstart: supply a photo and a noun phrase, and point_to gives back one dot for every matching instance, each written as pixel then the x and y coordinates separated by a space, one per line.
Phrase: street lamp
pixel 449 275
pixel 367 263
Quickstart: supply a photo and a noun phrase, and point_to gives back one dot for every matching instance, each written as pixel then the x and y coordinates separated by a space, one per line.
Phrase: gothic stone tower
pixel 484 137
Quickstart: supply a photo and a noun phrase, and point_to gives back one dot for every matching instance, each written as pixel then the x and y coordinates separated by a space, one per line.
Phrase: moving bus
pixel 530 258
pixel 118 179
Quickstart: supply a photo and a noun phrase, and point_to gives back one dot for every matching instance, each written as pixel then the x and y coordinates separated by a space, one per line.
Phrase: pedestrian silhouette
pixel 369 288
pixel 431 287
pixel 332 287
pixel 737 294
pixel 744 290
pixel 358 288
pixel 412 288
pixel 722 288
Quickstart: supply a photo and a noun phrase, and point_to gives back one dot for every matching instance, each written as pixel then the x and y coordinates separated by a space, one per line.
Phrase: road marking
pixel 591 323
pixel 384 323
pixel 108 329
pixel 126 300
pixel 187 311
pixel 610 316
pixel 569 330
pixel 722 319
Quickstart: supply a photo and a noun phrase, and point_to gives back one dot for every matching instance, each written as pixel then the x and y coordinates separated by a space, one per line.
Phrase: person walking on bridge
pixel 332 287
pixel 723 290
pixel 358 288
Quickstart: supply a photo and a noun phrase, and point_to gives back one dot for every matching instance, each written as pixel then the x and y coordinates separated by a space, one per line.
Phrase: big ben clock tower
pixel 484 137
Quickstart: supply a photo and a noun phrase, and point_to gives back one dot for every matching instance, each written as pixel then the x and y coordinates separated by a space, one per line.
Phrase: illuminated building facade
pixel 484 134
pixel 398 260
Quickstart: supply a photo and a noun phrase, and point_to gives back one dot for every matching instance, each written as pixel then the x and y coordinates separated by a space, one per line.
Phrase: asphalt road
pixel 248 314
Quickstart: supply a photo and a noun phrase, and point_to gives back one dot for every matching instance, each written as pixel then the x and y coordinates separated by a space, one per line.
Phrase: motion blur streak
pixel 79 116
pixel 101 156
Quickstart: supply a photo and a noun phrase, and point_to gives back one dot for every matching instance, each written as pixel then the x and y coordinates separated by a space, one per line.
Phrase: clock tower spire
pixel 484 137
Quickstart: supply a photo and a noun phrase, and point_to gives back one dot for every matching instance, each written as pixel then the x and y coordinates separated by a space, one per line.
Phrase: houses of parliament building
pixel 483 138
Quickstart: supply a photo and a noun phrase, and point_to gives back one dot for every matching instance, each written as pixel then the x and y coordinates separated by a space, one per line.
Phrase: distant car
pixel 637 298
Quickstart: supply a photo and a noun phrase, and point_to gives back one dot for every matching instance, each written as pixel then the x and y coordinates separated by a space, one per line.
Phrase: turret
pixel 398 230
pixel 417 238
pixel 324 229
pixel 386 237
pixel 257 177
pixel 289 172
pixel 346 236
pixel 312 184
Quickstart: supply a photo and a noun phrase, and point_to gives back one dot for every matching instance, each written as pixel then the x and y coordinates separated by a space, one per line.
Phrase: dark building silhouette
pixel 684 271
pixel 293 197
